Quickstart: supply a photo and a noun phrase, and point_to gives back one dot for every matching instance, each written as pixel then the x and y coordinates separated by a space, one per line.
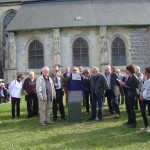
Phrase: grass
pixel 27 134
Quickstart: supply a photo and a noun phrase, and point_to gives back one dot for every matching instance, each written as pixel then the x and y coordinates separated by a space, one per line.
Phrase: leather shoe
pixel 63 118
pixel 49 122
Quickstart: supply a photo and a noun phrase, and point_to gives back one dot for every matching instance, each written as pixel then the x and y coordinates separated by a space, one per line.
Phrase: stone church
pixel 37 33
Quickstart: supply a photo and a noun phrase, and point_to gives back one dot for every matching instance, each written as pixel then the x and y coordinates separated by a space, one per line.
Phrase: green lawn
pixel 27 134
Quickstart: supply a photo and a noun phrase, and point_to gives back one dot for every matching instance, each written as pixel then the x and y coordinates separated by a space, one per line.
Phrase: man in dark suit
pixel 58 84
pixel 98 87
pixel 113 91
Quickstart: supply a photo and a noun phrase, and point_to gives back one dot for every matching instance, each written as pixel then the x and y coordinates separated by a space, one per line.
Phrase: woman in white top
pixel 145 99
pixel 15 92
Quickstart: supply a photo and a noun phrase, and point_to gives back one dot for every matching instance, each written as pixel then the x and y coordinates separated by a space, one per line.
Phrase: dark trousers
pixel 58 100
pixel 83 98
pixel 32 105
pixel 130 103
pixel 15 102
pixel 143 104
pixel 99 101
pixel 87 96
pixel 112 102
pixel 121 97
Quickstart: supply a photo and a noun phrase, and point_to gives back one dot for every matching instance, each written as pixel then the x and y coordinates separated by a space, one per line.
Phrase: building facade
pixel 72 33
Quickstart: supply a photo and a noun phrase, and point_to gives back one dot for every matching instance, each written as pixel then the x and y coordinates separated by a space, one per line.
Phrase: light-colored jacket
pixel 145 90
pixel 15 89
pixel 41 88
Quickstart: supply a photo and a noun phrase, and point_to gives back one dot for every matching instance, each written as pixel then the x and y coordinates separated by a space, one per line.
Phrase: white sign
pixel 76 77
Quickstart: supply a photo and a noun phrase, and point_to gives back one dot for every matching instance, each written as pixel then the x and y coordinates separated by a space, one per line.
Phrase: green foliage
pixel 27 134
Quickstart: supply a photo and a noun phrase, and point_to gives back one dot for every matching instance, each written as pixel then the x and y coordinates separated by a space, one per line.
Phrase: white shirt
pixel 15 89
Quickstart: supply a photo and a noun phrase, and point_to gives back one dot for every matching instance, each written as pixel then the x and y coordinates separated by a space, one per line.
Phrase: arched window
pixel 118 52
pixel 7 19
pixel 35 55
pixel 80 52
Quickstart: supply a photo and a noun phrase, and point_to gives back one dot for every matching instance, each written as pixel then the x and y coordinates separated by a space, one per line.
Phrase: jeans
pixel 98 100
pixel 143 104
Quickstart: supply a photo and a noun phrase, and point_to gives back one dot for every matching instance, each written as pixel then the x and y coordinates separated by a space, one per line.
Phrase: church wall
pixel 136 42
pixel 23 40
pixel 4 11
pixel 135 39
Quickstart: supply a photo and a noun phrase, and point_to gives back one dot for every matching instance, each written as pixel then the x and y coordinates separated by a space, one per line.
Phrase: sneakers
pixel 42 124
pixel 148 131
pixel 145 128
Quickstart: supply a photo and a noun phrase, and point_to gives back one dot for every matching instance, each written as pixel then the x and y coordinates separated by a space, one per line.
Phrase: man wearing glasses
pixel 58 84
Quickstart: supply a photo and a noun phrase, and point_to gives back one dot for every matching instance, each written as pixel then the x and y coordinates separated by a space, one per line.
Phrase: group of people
pixel 47 91
pixel 4 93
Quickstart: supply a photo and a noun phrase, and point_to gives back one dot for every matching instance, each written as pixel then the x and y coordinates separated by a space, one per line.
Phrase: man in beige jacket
pixel 46 93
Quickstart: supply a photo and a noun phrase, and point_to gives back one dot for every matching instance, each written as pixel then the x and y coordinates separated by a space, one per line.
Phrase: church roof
pixel 83 13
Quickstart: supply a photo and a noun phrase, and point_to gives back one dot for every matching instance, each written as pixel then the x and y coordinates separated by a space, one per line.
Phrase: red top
pixel 30 86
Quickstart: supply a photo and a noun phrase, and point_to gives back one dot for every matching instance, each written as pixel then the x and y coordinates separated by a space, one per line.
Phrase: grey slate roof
pixel 93 13
pixel 9 1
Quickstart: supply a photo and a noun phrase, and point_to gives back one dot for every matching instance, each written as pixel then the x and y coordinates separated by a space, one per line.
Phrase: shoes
pixel 63 118
pixel 117 116
pixel 50 122
pixel 148 131
pixel 100 120
pixel 43 124
pixel 109 114
pixel 132 125
pixel 145 128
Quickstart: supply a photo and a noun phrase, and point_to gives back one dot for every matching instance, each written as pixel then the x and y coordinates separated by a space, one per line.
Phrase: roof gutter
pixel 125 25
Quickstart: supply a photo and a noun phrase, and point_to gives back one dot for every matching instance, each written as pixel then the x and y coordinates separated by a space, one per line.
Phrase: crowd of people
pixel 132 89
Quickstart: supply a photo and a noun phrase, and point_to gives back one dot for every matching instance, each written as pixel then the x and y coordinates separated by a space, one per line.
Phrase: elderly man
pixel 112 91
pixel 98 87
pixel 46 93
pixel 29 88
pixel 58 84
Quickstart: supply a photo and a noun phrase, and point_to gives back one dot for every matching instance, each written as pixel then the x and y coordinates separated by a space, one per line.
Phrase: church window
pixel 35 55
pixel 80 52
pixel 118 52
